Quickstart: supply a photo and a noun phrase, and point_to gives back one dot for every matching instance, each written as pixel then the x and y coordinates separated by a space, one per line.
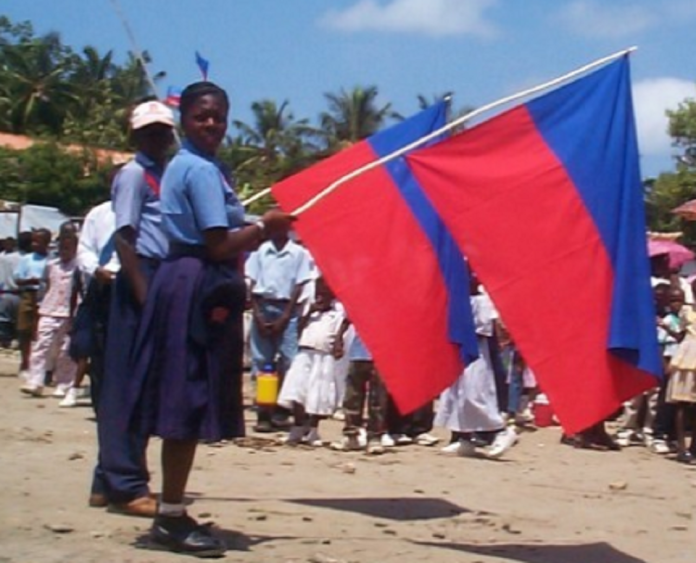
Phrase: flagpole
pixel 139 55
pixel 256 196
pixel 456 123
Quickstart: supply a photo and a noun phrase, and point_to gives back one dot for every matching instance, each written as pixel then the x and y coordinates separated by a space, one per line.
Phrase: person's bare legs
pixel 680 429
pixel 82 368
pixel 172 527
pixel 25 352
pixel 177 460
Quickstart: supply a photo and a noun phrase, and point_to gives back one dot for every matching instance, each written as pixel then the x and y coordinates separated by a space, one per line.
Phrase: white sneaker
pixel 313 439
pixel 452 448
pixel 33 390
pixel 60 390
pixel 347 444
pixel 295 436
pixel 524 417
pixel 374 447
pixel 624 437
pixel 648 438
pixel 466 448
pixel 426 439
pixel 659 446
pixel 70 399
pixel 387 441
pixel 403 440
pixel 339 415
pixel 362 438
pixel 504 440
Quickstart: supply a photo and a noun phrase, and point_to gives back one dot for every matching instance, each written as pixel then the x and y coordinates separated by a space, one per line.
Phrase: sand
pixel 543 503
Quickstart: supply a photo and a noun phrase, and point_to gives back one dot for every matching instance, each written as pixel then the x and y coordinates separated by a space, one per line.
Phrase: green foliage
pixel 48 90
pixel 353 115
pixel 46 174
pixel 670 190
pixel 682 126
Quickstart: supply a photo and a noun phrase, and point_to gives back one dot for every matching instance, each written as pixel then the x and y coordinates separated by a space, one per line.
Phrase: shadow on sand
pixel 399 508
pixel 599 552
pixel 234 541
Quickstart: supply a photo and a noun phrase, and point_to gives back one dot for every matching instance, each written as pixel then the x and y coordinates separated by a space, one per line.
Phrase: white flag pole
pixel 457 122
pixel 257 195
pixel 139 56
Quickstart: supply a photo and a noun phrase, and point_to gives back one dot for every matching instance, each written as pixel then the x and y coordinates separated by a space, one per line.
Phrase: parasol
pixel 686 210
pixel 678 253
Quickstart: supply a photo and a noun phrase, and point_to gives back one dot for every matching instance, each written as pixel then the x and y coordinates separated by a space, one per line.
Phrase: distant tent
pixel 29 217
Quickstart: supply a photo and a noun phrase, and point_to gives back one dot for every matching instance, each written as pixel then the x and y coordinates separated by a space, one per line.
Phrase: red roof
pixel 22 142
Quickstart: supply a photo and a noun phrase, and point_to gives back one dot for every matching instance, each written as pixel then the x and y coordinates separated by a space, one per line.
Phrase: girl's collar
pixel 189 146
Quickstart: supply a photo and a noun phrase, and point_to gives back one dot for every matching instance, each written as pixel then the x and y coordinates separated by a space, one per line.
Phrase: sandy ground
pixel 545 503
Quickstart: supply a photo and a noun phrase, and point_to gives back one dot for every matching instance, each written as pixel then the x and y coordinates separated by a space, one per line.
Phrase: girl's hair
pixel 194 91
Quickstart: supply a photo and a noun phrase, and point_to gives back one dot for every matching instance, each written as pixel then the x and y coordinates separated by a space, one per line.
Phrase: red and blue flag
pixel 173 98
pixel 546 202
pixel 388 257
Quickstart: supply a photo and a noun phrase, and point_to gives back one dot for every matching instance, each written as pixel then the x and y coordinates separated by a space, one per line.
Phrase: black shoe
pixel 685 457
pixel 263 427
pixel 280 423
pixel 182 534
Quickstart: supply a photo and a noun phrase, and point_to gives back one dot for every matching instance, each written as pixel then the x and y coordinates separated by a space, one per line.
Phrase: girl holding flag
pixel 188 373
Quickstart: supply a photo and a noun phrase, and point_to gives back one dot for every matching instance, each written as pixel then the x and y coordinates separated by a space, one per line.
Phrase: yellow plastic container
pixel 267 388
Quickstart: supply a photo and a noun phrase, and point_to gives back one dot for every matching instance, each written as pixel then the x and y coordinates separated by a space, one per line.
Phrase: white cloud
pixel 596 19
pixel 652 98
pixel 592 18
pixel 429 17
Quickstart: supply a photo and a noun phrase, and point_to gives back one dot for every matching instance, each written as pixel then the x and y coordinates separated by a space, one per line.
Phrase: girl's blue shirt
pixel 197 195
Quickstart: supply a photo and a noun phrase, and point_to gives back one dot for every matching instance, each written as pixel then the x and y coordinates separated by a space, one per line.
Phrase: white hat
pixel 151 112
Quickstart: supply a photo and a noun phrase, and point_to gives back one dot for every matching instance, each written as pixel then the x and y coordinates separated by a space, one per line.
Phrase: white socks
pixel 166 509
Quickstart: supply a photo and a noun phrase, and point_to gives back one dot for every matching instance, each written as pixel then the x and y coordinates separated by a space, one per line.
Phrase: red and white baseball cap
pixel 149 113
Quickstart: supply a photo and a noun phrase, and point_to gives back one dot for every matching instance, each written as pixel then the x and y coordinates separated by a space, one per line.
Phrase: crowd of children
pixel 330 373
pixel 662 419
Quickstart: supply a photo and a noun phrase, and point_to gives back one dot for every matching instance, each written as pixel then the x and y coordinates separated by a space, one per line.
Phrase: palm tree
pixel 91 76
pixel 353 116
pixel 34 73
pixel 276 141
pixel 275 131
pixel 99 117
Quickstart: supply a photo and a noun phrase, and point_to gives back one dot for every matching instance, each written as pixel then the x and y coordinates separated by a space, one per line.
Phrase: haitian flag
pixel 386 254
pixel 173 98
pixel 546 202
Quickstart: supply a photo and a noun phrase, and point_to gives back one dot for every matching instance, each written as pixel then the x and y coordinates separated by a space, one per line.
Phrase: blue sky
pixel 481 50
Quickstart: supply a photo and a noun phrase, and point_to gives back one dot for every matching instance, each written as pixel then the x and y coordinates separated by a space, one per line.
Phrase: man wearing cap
pixel 121 476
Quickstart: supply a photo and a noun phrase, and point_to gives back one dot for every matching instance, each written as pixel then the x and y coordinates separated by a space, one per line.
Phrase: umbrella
pixel 678 253
pixel 686 210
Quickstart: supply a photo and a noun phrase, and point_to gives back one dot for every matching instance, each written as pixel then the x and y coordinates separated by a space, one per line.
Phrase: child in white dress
pixel 313 385
pixel 470 405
